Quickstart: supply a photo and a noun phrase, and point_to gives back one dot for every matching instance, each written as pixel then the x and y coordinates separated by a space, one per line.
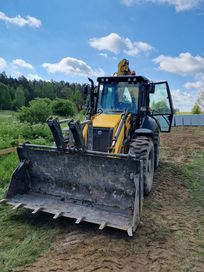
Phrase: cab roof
pixel 128 78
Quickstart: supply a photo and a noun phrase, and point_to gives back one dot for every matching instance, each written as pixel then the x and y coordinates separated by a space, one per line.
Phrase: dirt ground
pixel 181 144
pixel 166 239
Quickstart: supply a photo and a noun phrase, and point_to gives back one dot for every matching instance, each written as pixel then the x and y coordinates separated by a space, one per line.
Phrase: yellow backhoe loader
pixel 101 170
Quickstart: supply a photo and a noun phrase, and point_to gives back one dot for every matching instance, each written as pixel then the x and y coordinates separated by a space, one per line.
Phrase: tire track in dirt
pixel 165 240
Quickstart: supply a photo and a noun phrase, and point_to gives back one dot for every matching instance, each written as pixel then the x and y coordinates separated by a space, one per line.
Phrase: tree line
pixel 18 92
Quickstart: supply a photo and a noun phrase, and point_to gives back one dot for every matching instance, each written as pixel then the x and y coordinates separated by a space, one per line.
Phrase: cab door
pixel 161 106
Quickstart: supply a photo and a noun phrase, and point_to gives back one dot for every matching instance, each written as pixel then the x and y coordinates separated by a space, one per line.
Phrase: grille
pixel 102 139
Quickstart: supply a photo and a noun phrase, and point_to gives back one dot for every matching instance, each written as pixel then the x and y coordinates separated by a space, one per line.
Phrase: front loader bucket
pixel 95 188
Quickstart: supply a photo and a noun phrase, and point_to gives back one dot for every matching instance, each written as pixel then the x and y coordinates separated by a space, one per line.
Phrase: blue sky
pixel 71 40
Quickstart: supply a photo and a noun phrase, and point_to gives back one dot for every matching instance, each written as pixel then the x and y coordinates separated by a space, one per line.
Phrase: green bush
pixel 63 107
pixel 26 131
pixel 14 132
pixel 160 107
pixel 35 131
pixel 37 112
pixel 196 109
pixel 39 141
pixel 41 130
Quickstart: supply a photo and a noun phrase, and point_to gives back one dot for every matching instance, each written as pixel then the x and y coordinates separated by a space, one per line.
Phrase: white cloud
pixel 23 64
pixel 184 64
pixel 103 55
pixel 3 63
pixel 128 2
pixel 73 67
pixel 33 77
pixel 197 85
pixel 184 101
pixel 117 44
pixel 112 42
pixel 134 48
pixel 20 21
pixel 34 22
pixel 180 5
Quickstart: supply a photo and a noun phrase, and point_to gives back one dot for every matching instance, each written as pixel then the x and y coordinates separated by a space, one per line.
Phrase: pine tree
pixel 19 100
pixel 5 97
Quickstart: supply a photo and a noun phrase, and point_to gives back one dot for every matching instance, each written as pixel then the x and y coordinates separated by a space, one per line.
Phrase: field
pixel 169 238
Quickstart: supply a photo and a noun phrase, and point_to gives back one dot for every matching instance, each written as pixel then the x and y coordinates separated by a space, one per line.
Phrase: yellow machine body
pixel 110 121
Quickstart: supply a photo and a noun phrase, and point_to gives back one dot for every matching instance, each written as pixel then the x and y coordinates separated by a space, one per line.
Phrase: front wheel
pixel 143 148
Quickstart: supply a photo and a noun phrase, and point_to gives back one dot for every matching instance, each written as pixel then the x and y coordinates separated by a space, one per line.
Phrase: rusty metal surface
pixel 98 189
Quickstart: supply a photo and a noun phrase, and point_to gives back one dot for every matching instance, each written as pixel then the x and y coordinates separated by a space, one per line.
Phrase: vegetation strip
pixel 7 151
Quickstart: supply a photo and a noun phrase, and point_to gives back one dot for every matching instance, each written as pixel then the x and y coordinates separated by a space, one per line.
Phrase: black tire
pixel 156 150
pixel 143 148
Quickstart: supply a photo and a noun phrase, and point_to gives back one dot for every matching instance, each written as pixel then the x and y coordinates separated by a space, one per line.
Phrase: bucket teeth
pixel 130 232
pixel 103 225
pixel 19 205
pixel 57 215
pixel 80 219
pixel 36 210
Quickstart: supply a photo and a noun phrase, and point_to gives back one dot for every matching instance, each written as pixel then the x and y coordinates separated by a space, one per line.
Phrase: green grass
pixel 24 236
pixel 7 114
pixel 7 165
pixel 194 178
pixel 188 233
pixel 13 132
pixel 191 176
pixel 182 113
pixel 185 113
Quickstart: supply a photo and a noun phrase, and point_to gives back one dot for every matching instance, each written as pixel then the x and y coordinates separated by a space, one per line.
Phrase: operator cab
pixel 118 97
pixel 135 94
pixel 119 94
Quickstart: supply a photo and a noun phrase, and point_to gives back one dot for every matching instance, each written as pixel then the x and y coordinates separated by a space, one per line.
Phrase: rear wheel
pixel 143 148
